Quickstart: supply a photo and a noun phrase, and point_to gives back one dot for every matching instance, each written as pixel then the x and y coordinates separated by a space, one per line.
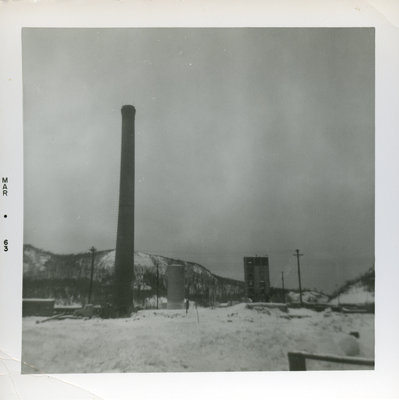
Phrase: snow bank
pixel 356 294
pixel 309 296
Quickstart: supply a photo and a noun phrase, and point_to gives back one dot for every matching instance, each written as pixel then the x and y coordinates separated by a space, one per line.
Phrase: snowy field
pixel 223 339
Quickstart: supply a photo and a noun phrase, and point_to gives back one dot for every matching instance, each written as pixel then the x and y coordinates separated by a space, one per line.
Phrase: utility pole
pixel 214 293
pixel 157 282
pixel 297 254
pixel 92 251
pixel 282 284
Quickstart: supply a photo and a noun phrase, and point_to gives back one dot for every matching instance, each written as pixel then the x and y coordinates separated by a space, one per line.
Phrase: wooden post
pixel 297 362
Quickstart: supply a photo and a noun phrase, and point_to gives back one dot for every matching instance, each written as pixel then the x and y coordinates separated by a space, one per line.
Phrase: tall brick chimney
pixel 124 255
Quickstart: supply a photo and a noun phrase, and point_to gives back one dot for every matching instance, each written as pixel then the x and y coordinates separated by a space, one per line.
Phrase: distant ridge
pixel 65 277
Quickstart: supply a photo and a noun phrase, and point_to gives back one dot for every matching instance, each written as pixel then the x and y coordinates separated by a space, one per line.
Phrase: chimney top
pixel 128 110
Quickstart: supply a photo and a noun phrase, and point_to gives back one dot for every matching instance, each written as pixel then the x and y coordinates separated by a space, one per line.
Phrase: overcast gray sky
pixel 248 141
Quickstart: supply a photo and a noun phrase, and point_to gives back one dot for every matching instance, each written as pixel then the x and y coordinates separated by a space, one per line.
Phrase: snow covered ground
pixel 223 339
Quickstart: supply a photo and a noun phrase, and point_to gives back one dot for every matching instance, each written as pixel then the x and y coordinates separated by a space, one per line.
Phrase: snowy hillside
pixel 66 278
pixel 358 291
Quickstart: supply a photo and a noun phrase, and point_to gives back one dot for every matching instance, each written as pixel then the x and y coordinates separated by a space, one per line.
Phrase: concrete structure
pixel 176 291
pixel 257 280
pixel 124 254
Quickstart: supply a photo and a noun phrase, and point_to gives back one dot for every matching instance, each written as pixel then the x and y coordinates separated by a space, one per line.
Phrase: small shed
pixel 37 307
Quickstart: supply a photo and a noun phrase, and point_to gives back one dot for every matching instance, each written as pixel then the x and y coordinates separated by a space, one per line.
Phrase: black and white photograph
pixel 198 199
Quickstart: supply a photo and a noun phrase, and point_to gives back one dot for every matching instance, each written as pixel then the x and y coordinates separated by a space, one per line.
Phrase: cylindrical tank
pixel 175 286
pixel 124 254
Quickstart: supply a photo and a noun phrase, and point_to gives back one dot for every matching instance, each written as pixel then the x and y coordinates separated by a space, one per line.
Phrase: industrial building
pixel 257 280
